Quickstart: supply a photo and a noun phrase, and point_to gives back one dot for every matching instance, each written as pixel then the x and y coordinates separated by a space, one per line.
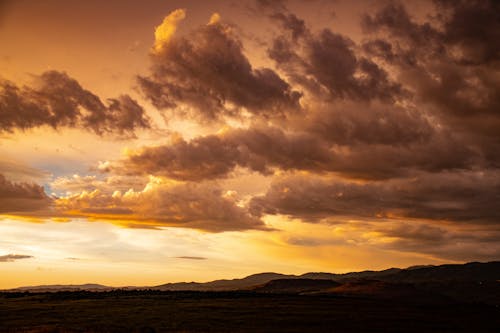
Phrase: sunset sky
pixel 145 142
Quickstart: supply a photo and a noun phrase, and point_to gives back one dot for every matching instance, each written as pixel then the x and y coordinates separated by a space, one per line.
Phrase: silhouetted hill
pixel 220 285
pixel 351 275
pixel 473 281
pixel 473 271
pixel 64 287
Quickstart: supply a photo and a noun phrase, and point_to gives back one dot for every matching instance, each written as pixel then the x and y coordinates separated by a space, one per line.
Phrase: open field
pixel 157 311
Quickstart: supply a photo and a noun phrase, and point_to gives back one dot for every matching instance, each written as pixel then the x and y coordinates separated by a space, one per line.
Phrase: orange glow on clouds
pixel 287 136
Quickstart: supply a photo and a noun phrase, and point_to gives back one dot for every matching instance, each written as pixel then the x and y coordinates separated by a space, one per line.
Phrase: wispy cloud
pixel 191 258
pixel 13 257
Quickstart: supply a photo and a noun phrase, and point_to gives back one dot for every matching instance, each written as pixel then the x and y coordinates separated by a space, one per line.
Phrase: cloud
pixel 214 156
pixel 192 258
pixel 201 206
pixel 292 23
pixel 381 144
pixel 166 30
pixel 18 171
pixel 450 64
pixel 434 239
pixel 356 120
pixel 77 183
pixel 465 31
pixel 326 63
pixel 398 132
pixel 206 74
pixel 156 203
pixel 351 123
pixel 57 100
pixel 462 197
pixel 272 5
pixel 445 241
pixel 359 121
pixel 22 197
pixel 13 257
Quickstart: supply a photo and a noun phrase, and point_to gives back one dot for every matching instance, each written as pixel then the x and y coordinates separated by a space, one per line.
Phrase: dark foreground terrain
pixel 446 298
pixel 238 311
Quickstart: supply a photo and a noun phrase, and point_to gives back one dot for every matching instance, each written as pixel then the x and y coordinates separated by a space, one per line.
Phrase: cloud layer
pixel 448 196
pixel 397 132
pixel 403 126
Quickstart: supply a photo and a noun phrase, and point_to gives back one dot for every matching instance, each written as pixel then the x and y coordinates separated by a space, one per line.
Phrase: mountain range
pixel 464 282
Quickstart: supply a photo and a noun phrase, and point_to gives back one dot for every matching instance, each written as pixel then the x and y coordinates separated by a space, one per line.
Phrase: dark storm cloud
pixel 474 27
pixel 391 144
pixel 450 64
pixel 273 5
pixel 326 62
pixel 18 197
pixel 13 257
pixel 444 241
pixel 207 71
pixel 379 161
pixel 290 22
pixel 395 17
pixel 202 158
pixel 260 149
pixel 369 124
pixel 432 120
pixel 448 196
pixel 57 100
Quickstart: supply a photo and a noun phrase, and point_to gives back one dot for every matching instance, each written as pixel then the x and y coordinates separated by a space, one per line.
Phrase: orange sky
pixel 254 136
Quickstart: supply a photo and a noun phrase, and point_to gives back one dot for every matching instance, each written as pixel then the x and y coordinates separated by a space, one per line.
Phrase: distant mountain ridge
pixel 450 273
pixel 64 287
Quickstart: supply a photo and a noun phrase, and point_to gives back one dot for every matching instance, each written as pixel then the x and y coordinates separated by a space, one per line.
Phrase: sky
pixel 145 142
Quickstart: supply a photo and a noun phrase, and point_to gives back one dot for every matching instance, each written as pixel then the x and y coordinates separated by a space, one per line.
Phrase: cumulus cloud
pixel 166 30
pixel 131 201
pixel 13 257
pixel 207 73
pixel 77 183
pixel 201 206
pixel 57 100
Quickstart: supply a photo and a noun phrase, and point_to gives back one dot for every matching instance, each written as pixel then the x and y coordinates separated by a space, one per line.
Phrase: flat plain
pixel 195 311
